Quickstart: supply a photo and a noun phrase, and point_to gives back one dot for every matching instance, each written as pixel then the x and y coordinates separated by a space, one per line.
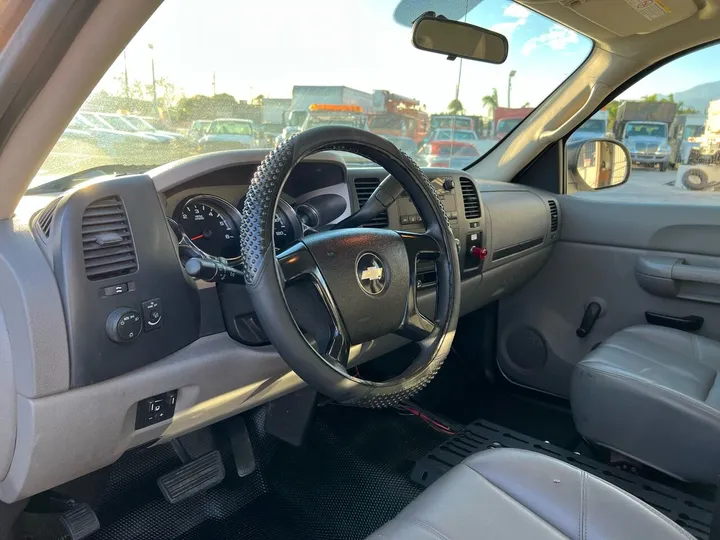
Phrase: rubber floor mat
pixel 350 477
pixel 691 513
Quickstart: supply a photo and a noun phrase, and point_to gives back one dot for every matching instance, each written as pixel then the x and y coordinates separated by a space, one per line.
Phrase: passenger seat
pixel 653 394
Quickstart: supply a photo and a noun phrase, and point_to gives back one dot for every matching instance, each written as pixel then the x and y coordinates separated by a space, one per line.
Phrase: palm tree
pixel 652 98
pixel 491 101
pixel 456 107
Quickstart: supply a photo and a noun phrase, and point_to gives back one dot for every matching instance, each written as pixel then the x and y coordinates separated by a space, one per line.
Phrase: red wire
pixel 429 420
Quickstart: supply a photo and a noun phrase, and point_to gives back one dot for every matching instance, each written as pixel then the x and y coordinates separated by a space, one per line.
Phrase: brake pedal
pixel 192 478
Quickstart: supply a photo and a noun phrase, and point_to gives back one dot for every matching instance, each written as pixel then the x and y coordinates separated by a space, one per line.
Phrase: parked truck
pixel 506 119
pixel 644 127
pixel 398 117
pixel 685 134
pixel 594 128
pixel 703 170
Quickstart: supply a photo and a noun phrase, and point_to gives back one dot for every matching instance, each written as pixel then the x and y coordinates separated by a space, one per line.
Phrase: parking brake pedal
pixel 192 478
pixel 53 515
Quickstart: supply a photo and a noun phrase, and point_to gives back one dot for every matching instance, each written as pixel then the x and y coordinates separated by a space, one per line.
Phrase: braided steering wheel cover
pixel 258 254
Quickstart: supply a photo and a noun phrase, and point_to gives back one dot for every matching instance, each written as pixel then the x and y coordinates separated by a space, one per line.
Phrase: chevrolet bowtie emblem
pixel 372 273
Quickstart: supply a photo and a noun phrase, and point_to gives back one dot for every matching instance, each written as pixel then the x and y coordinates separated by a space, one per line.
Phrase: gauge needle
pixel 198 237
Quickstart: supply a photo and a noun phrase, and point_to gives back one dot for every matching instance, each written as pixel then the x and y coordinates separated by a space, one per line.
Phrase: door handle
pixel 691 323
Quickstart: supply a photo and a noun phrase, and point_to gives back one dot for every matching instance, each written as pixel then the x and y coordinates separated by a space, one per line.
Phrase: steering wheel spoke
pixel 297 262
pixel 415 325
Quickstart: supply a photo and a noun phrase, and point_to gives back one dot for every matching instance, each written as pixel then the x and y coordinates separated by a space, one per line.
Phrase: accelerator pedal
pixel 192 478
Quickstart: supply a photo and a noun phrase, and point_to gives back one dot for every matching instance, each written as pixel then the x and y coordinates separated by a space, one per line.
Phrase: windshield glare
pixel 319 62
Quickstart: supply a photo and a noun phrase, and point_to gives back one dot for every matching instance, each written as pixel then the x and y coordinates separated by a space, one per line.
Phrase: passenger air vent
pixel 108 246
pixel 364 187
pixel 471 201
pixel 44 218
pixel 553 215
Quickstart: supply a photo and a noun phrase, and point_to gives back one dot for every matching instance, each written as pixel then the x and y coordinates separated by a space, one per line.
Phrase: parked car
pixel 198 129
pixel 121 123
pixel 453 154
pixel 143 126
pixel 406 144
pixel 228 134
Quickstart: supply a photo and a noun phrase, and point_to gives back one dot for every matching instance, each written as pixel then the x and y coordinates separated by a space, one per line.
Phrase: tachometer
pixel 212 224
pixel 287 226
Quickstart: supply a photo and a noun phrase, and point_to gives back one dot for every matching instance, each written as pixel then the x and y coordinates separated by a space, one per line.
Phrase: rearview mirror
pixel 599 163
pixel 458 39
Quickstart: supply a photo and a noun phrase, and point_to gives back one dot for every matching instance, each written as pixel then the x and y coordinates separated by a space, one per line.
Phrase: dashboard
pixel 105 322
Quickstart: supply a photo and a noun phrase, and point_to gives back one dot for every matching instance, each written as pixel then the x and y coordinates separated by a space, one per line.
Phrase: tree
pixel 652 98
pixel 456 107
pixel 526 104
pixel 612 108
pixel 257 100
pixel 491 101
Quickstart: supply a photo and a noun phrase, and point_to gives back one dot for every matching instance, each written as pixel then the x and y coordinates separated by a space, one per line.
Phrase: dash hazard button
pixel 152 314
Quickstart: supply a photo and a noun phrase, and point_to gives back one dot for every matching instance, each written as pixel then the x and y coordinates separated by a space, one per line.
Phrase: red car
pixel 452 154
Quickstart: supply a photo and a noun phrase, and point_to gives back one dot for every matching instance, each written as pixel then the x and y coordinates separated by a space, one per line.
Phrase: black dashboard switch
pixel 115 289
pixel 152 314
pixel 123 324
pixel 155 409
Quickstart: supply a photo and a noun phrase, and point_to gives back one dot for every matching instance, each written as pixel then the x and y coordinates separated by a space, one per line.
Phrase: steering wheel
pixel 365 277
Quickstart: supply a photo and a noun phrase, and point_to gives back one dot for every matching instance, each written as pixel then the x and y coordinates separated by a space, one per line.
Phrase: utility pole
pixel 154 87
pixel 127 82
pixel 213 83
pixel 510 77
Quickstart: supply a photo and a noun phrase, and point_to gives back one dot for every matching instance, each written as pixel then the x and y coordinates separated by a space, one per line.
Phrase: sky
pixel 267 47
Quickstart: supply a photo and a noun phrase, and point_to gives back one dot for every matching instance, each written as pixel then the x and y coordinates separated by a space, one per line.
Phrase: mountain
pixel 699 96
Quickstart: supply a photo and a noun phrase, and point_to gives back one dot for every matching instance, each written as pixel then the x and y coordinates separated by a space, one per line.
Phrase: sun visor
pixel 628 17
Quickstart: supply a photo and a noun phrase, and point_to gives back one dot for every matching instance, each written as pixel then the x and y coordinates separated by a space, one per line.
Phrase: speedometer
pixel 212 224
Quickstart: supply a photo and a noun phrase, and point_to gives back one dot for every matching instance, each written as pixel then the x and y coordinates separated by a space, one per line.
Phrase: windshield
pixel 229 127
pixel 507 125
pixel 318 53
pixel 594 126
pixel 139 123
pixel 646 130
pixel 118 123
pixel 694 131
pixel 455 135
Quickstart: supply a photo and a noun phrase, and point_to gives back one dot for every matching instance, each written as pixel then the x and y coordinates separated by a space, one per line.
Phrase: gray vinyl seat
pixel 517 494
pixel 653 394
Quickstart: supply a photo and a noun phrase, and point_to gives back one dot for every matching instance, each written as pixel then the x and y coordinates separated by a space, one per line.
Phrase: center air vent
pixel 108 247
pixel 471 201
pixel 553 215
pixel 364 187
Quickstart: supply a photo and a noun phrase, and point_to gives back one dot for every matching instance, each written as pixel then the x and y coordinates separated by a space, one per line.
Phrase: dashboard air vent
pixel 553 215
pixel 44 219
pixel 364 187
pixel 471 201
pixel 108 247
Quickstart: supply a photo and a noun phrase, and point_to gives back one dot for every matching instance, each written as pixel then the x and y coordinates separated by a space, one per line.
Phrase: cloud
pixel 557 38
pixel 515 11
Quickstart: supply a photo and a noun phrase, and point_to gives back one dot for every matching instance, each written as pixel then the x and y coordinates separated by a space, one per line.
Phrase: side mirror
pixel 458 39
pixel 599 163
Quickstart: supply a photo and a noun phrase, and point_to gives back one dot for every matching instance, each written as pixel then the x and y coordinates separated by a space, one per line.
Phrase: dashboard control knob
pixel 448 184
pixel 478 252
pixel 123 324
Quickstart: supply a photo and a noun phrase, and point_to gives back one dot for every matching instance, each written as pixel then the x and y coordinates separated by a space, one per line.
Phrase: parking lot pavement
pixel 645 180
